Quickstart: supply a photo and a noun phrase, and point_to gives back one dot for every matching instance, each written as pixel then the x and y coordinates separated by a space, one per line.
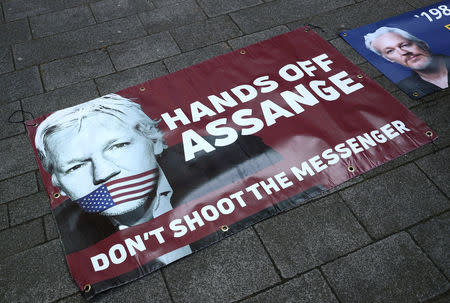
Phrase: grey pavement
pixel 382 237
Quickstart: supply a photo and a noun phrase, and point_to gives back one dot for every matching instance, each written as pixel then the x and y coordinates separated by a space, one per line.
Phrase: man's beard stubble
pixel 432 65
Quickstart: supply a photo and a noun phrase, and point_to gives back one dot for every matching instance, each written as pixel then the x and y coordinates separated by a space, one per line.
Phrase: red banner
pixel 141 178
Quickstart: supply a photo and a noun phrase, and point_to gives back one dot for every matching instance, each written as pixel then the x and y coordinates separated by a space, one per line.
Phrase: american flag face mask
pixel 119 191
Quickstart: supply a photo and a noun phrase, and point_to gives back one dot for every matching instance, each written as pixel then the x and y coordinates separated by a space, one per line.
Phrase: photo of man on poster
pixel 429 72
pixel 109 158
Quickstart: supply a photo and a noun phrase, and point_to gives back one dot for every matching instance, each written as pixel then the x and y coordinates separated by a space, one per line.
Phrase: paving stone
pixel 40 183
pixel 75 69
pixel 16 9
pixel 311 235
pixel 433 237
pixel 347 51
pixel 8 129
pixel 204 33
pixel 436 167
pixel 14 32
pixel 151 286
pixel 20 84
pixel 28 208
pixel 18 187
pixel 143 50
pixel 215 8
pixel 22 237
pixel 60 98
pixel 17 157
pixel 308 288
pixel 421 3
pixel 130 77
pixel 257 37
pixel 331 23
pixel 76 298
pixel 77 41
pixel 61 21
pixel 386 84
pixel 445 298
pixel 183 60
pixel 254 19
pixel 392 270
pixel 6 63
pixel 4 221
pixel 435 115
pixel 171 16
pixel 395 200
pixel 406 158
pixel 339 187
pixel 113 9
pixel 369 70
pixel 50 227
pixel 435 96
pixel 39 273
pixel 161 3
pixel 404 99
pixel 229 270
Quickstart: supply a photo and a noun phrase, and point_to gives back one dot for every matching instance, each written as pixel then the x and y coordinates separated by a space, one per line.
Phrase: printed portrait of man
pixel 110 159
pixel 429 72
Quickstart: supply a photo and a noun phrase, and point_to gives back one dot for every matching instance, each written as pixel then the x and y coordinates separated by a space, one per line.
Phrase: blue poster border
pixel 435 33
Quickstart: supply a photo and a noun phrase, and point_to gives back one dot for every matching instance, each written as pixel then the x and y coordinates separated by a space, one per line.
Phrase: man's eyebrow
pixel 75 161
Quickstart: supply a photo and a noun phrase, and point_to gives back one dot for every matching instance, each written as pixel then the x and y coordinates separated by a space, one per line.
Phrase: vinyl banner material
pixel 412 50
pixel 155 172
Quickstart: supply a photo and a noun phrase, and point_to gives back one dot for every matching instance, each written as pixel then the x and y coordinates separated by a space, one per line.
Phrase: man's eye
pixel 74 168
pixel 389 51
pixel 404 45
pixel 119 145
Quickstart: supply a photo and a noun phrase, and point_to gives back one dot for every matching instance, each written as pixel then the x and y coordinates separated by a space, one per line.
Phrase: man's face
pixel 396 48
pixel 102 149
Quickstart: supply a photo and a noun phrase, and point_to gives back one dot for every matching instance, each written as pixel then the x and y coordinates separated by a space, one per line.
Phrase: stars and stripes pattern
pixel 119 191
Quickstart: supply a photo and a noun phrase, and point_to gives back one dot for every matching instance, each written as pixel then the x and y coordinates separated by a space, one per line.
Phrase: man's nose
pixel 103 170
pixel 403 51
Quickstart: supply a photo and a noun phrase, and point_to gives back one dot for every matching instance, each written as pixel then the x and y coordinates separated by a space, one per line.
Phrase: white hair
pixel 371 37
pixel 123 109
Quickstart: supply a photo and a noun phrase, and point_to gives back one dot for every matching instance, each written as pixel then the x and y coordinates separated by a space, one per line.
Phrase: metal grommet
pixel 429 134
pixel 359 76
pixel 87 288
pixel 142 88
pixel 34 124
pixel 344 34
pixel 224 228
pixel 242 52
pixel 306 29
pixel 415 94
pixel 56 195
pixel 351 169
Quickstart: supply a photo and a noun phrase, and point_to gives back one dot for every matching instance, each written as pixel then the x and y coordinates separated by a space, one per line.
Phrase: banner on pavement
pixel 152 173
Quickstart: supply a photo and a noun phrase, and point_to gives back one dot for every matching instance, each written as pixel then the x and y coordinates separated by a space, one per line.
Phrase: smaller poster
pixel 412 49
